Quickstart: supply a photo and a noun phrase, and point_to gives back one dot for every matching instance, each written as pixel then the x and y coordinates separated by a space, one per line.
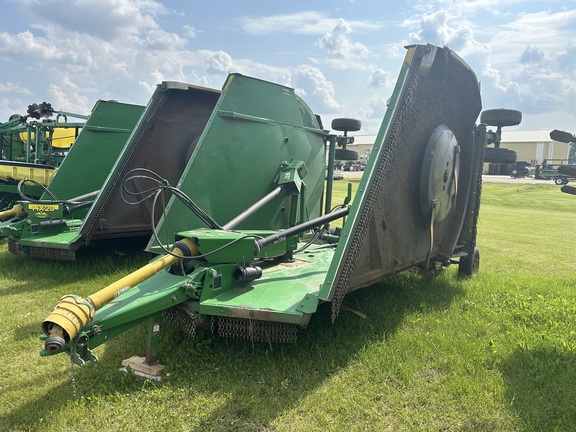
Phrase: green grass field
pixel 491 353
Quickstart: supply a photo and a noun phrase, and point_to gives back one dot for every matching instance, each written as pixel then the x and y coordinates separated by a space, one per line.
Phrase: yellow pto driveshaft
pixel 72 313
pixel 16 211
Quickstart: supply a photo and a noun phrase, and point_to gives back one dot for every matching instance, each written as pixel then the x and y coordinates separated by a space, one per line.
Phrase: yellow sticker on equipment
pixel 43 207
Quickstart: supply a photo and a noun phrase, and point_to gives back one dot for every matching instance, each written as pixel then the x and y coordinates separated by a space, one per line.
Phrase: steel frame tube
pixel 253 209
pixel 303 227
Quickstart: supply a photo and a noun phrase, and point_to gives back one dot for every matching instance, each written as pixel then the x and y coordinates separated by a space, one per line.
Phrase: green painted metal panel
pixel 54 239
pixel 96 149
pixel 285 293
pixel 163 141
pixel 255 126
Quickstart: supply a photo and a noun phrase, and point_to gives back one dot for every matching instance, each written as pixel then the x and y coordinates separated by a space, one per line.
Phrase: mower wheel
pixel 346 155
pixel 501 117
pixel 469 265
pixel 346 125
pixel 562 136
pixel 13 116
pixel 499 155
pixel 561 181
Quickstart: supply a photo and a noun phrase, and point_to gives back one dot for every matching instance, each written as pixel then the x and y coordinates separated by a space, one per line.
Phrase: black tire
pixel 13 116
pixel 346 124
pixel 501 117
pixel 560 180
pixel 469 265
pixel 569 190
pixel 346 155
pixel 569 170
pixel 561 136
pixel 499 155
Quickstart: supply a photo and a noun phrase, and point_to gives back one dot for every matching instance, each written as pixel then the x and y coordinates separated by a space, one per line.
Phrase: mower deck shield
pixel 162 141
pixel 256 127
pixel 388 229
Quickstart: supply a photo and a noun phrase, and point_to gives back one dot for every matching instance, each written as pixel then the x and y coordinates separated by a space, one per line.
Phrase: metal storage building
pixel 531 146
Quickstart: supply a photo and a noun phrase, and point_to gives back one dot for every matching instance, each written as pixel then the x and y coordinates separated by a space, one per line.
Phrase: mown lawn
pixel 495 352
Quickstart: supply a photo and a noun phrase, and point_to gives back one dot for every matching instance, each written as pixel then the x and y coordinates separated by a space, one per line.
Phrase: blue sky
pixel 342 56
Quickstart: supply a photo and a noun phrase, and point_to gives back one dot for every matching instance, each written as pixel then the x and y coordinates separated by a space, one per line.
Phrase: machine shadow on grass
pixel 254 375
pixel 34 274
pixel 540 387
pixel 322 350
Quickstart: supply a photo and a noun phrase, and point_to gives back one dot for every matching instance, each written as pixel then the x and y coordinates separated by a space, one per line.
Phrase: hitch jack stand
pixel 148 366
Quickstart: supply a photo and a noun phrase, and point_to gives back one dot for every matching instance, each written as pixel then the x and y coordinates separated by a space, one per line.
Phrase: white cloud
pixel 103 19
pixel 313 86
pixel 14 89
pixel 190 31
pixel 337 43
pixel 67 96
pixel 459 8
pixel 380 78
pixel 121 49
pixel 543 30
pixel 533 51
pixel 25 45
pixel 305 22
pixel 518 66
pixel 435 29
pixel 219 62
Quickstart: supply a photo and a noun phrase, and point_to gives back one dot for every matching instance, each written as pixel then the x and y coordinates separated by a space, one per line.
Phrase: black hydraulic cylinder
pixel 85 196
pixel 303 227
pixel 68 209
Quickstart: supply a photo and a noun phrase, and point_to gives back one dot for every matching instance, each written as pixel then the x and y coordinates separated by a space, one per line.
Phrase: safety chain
pixel 52 254
pixel 256 330
pixel 14 245
pixel 342 280
pixel 478 196
pixel 72 378
pixel 182 319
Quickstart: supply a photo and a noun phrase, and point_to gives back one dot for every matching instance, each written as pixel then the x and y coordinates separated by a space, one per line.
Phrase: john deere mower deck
pixel 64 200
pixel 260 271
pixel 162 140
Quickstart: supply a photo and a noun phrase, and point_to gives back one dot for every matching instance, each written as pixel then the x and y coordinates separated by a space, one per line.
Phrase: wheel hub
pixel 439 176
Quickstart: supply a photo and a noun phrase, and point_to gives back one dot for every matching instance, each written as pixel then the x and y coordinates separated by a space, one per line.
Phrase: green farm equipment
pixel 246 243
pixel 71 189
pixel 163 140
pixel 32 147
pixel 559 170
pixel 550 169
